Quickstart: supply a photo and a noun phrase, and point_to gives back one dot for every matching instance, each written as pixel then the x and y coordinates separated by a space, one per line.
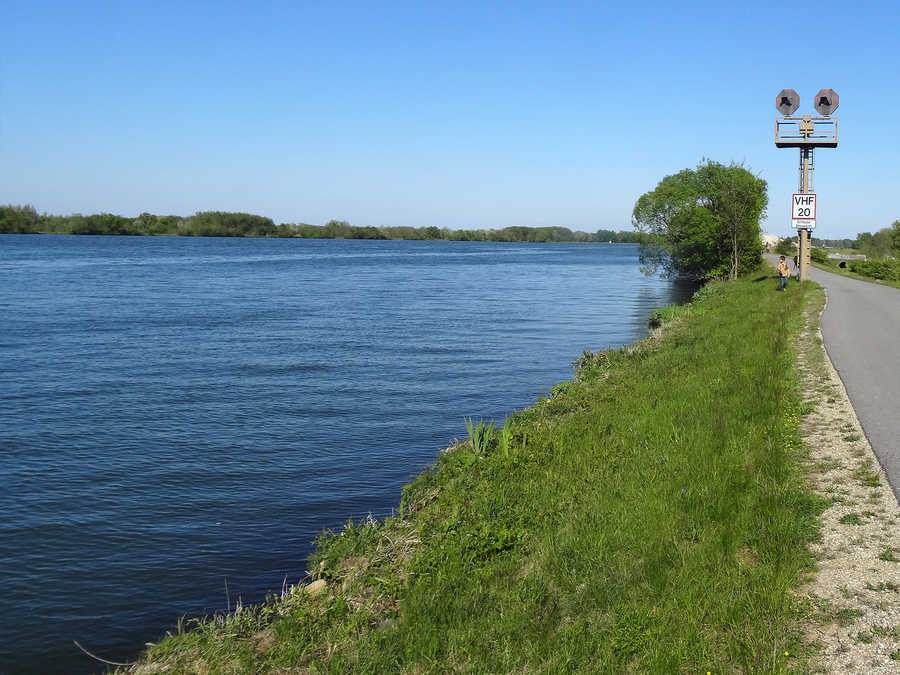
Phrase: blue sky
pixel 459 115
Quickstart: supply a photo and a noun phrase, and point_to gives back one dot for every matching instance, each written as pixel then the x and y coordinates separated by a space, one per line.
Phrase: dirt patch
pixel 852 605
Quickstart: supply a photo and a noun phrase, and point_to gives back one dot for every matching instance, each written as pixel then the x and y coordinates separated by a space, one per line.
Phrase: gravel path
pixel 851 605
pixel 861 328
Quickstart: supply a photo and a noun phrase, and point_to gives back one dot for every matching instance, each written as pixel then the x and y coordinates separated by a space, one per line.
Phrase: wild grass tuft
pixel 888 555
pixel 506 436
pixel 480 434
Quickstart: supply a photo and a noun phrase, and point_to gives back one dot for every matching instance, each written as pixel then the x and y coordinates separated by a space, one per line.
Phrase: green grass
pixel 649 516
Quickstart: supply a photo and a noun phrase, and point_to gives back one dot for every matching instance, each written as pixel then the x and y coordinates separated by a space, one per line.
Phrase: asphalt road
pixel 861 330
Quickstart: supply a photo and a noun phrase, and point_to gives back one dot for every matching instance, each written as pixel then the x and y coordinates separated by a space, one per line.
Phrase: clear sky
pixel 455 114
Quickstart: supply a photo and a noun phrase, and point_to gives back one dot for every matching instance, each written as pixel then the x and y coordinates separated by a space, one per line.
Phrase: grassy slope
pixel 650 517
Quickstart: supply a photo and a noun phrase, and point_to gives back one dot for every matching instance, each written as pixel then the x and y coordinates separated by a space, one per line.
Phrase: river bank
pixel 651 515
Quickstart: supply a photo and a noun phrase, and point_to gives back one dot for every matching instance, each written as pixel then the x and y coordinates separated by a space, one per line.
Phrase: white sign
pixel 803 210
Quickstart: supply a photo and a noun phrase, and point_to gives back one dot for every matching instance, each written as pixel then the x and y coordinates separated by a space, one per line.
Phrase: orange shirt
pixel 783 269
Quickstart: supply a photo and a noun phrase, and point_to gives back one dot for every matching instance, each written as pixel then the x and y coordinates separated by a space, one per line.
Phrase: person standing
pixel 783 274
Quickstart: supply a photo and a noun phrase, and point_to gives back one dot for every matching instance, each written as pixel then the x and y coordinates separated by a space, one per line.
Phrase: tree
pixel 226 224
pixel 863 239
pixel 102 223
pixel 671 216
pixel 883 243
pixel 18 219
pixel 738 199
pixel 703 223
pixel 367 232
pixel 337 229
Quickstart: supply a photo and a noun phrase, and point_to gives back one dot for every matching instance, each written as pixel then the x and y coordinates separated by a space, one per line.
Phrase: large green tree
pixel 703 222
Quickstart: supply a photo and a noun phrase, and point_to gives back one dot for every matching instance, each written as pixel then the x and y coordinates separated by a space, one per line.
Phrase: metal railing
pixel 806 131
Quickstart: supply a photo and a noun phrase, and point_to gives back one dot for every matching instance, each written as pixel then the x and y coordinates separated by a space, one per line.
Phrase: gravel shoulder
pixel 851 605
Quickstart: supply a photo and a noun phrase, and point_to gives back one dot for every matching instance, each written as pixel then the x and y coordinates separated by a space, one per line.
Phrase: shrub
pixel 818 255
pixel 878 268
pixel 786 246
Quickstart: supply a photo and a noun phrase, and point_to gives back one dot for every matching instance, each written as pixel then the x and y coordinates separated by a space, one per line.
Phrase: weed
pixel 561 389
pixel 846 616
pixel 886 631
pixel 590 364
pixel 883 586
pixel 851 519
pixel 864 637
pixel 506 436
pixel 480 434
pixel 866 476
pixel 828 465
pixel 888 555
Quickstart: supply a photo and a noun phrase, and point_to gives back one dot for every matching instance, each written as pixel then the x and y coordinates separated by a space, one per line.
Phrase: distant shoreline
pixel 296 236
pixel 26 220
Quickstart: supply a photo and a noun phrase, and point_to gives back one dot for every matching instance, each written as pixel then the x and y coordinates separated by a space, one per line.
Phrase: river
pixel 182 415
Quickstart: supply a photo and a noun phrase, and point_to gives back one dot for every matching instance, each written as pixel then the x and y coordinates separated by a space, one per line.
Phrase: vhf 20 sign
pixel 803 211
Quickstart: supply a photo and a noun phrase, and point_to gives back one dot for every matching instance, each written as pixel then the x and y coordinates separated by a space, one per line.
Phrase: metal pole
pixel 807 167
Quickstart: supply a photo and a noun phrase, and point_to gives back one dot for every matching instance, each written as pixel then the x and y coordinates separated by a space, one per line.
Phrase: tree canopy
pixel 703 222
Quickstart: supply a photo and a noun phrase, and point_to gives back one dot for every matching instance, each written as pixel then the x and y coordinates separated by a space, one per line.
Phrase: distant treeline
pixel 882 244
pixel 25 220
pixel 833 243
pixel 339 229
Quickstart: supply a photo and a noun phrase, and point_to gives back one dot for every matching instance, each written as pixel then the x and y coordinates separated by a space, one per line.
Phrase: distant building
pixel 771 240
